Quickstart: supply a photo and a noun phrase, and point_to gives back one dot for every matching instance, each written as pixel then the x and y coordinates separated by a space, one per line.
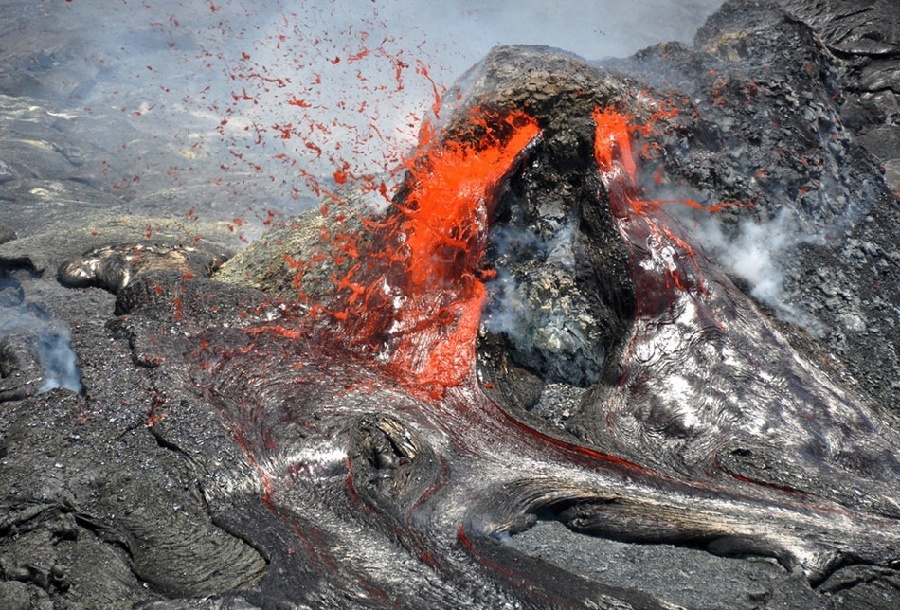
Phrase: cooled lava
pixel 525 370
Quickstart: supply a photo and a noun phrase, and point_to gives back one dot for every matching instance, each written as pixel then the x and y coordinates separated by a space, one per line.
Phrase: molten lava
pixel 410 293
pixel 413 297
pixel 663 263
pixel 443 223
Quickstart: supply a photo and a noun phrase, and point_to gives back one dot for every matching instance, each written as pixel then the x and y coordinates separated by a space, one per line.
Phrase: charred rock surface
pixel 778 126
pixel 100 505
pixel 863 37
pixel 233 446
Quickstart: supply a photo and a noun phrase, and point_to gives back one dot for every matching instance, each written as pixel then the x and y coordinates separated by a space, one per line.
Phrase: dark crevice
pixel 165 443
pixel 241 534
pixel 20 263
pixel 106 534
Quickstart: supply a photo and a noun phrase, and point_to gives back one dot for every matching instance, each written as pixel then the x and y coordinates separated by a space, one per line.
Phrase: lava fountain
pixel 412 296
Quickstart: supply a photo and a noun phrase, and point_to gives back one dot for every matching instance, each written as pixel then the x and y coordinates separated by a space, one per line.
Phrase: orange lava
pixel 663 262
pixel 413 300
pixel 442 225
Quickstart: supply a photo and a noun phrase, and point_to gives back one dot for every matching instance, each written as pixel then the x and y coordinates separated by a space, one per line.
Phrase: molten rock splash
pixel 409 292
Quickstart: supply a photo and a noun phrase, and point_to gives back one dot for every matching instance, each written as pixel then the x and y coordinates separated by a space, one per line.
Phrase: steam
pixel 547 321
pixel 60 368
pixel 275 102
pixel 753 251
pixel 35 354
pixel 34 349
pixel 508 311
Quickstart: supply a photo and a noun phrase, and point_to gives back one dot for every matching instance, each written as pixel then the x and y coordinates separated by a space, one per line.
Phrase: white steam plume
pixel 58 359
pixel 753 252
pixel 28 340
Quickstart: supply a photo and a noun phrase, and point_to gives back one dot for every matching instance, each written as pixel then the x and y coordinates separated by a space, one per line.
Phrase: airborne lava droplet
pixel 416 302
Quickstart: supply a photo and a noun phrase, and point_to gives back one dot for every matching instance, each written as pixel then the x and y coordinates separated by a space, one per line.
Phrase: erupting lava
pixel 381 450
pixel 413 294
pixel 414 298
pixel 442 225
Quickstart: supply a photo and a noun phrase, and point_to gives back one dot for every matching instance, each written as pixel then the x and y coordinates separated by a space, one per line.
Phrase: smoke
pixel 270 104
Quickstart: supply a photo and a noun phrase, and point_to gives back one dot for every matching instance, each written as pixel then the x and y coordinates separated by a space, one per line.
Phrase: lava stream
pixel 663 263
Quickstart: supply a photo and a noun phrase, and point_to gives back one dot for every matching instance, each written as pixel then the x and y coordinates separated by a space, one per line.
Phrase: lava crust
pixel 529 362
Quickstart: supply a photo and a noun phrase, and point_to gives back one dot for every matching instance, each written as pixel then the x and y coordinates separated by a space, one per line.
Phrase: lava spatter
pixel 413 295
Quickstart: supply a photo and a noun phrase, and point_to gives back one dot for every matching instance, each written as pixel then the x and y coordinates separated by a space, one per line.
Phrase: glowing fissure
pixel 413 296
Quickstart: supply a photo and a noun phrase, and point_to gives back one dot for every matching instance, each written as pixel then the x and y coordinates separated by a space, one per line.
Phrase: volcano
pixel 538 352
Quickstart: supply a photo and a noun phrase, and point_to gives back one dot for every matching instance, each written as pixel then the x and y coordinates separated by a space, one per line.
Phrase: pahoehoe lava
pixel 365 409
pixel 703 421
